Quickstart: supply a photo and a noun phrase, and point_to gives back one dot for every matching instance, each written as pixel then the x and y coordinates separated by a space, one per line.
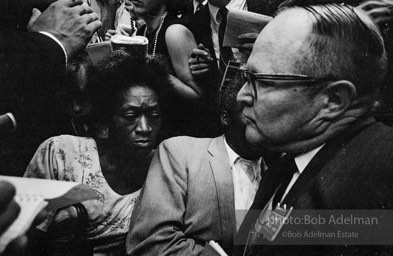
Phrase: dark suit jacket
pixel 352 171
pixel 32 67
pixel 188 199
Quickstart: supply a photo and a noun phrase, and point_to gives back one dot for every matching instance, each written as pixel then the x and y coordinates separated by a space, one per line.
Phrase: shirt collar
pixel 303 160
pixel 213 12
pixel 233 156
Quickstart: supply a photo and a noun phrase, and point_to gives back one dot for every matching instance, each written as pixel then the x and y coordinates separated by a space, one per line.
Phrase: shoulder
pixel 184 145
pixel 178 31
pixel 69 143
pixel 377 138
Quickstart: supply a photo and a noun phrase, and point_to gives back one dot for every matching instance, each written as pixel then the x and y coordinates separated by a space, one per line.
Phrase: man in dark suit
pixel 206 22
pixel 310 92
pixel 32 67
pixel 194 186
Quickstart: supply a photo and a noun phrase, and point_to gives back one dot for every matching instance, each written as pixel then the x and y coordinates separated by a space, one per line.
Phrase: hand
pixel 128 5
pixel 9 209
pixel 247 42
pixel 381 11
pixel 124 29
pixel 70 21
pixel 200 61
pixel 109 33
pixel 65 222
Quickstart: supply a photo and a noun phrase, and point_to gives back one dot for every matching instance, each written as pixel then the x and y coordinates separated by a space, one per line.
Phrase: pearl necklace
pixel 157 32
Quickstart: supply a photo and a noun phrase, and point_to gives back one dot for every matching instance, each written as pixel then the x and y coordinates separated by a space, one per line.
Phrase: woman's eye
pixel 130 117
pixel 155 115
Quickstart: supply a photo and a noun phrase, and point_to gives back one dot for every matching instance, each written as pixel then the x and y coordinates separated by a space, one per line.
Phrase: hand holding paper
pixel 33 195
pixel 243 28
pixel 247 41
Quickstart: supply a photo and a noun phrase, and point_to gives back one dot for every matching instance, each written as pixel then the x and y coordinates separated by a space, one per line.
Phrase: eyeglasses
pixel 277 80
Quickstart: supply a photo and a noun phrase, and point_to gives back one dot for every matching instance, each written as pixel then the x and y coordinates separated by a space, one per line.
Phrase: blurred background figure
pixel 126 21
pixel 79 95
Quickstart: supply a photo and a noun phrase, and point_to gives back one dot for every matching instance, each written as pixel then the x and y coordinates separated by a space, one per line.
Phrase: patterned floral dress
pixel 71 158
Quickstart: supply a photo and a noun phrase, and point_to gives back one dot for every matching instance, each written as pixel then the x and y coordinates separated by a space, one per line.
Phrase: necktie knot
pixel 222 15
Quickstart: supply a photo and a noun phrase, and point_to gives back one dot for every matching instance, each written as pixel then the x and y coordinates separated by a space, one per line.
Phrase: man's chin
pixel 253 137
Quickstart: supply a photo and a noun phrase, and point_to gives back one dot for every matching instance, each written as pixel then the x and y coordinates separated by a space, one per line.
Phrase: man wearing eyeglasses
pixel 310 91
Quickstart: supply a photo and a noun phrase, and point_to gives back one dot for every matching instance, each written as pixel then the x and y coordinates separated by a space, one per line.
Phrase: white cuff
pixel 57 41
pixel 14 123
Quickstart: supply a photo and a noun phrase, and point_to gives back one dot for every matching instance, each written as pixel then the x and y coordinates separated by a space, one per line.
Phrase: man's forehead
pixel 283 39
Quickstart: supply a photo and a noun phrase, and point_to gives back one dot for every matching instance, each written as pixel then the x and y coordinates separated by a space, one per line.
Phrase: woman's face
pixel 147 7
pixel 137 118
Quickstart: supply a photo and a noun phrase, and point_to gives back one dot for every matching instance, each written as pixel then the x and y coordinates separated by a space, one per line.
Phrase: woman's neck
pixel 125 173
pixel 153 21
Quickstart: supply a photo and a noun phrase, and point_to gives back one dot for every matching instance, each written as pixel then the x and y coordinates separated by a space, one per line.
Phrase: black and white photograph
pixel 196 127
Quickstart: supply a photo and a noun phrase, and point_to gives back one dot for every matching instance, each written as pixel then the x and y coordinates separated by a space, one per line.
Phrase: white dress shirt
pixel 244 188
pixel 215 24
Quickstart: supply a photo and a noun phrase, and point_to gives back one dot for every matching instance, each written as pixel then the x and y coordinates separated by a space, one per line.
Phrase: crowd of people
pixel 184 149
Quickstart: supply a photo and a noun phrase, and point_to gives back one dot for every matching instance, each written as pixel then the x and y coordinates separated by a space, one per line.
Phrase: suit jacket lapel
pixel 222 174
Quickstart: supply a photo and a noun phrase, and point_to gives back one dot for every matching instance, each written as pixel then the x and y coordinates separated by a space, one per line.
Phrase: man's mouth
pixel 247 119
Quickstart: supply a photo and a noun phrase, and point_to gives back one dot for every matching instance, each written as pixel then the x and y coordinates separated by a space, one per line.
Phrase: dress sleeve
pixel 48 161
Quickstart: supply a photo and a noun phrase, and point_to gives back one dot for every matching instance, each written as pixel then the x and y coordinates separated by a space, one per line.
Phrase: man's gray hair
pixel 346 44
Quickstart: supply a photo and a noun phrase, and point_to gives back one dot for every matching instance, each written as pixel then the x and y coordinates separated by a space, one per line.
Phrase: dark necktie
pixel 289 167
pixel 225 52
pixel 277 178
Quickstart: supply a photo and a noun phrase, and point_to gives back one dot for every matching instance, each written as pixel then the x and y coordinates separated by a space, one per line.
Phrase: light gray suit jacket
pixel 188 199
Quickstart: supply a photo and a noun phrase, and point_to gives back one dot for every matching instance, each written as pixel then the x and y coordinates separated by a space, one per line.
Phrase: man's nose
pixel 244 96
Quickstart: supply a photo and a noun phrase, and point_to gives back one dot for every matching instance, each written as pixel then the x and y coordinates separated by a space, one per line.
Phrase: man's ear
pixel 224 118
pixel 337 98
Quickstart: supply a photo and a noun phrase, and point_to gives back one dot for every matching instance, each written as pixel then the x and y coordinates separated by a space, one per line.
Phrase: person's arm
pixel 157 222
pixel 180 42
pixel 48 162
pixel 32 64
pixel 7 124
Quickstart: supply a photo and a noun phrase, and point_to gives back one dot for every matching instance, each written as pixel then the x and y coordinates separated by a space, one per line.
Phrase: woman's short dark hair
pixel 122 71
